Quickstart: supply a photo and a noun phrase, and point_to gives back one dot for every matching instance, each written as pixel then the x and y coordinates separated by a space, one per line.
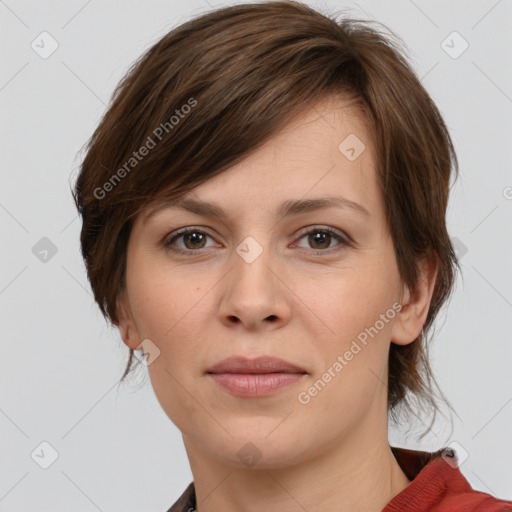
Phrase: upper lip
pixel 262 364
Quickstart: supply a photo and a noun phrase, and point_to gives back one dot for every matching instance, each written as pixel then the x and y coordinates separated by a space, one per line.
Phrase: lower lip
pixel 255 384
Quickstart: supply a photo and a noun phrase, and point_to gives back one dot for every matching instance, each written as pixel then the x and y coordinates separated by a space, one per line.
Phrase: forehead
pixel 332 131
pixel 324 151
pixel 329 118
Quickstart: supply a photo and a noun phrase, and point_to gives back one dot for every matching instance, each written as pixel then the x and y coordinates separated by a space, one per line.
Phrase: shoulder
pixel 437 485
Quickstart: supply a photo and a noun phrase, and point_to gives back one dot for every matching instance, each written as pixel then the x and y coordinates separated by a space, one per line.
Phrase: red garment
pixel 437 485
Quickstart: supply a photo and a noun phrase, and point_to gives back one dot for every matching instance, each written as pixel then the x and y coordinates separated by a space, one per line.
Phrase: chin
pixel 259 451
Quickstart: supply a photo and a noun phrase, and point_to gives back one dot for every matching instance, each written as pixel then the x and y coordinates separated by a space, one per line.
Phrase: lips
pixel 255 378
pixel 259 365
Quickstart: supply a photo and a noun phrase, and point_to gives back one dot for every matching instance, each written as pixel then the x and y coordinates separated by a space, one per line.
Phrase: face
pixel 317 286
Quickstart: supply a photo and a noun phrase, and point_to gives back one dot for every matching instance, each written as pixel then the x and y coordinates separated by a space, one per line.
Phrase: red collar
pixel 437 484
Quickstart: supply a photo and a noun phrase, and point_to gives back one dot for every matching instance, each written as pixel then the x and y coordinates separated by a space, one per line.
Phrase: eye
pixel 320 238
pixel 193 239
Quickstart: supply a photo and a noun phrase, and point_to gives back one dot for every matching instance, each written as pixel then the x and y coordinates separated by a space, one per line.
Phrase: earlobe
pixel 126 325
pixel 129 334
pixel 415 305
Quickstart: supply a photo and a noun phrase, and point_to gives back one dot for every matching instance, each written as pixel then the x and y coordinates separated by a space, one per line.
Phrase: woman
pixel 264 219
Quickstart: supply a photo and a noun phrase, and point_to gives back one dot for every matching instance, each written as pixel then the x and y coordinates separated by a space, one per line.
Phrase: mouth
pixel 258 377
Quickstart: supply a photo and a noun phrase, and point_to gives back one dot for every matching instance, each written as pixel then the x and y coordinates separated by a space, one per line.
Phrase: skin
pixel 304 299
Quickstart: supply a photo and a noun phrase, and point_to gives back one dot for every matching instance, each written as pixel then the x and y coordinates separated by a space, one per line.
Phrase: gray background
pixel 117 450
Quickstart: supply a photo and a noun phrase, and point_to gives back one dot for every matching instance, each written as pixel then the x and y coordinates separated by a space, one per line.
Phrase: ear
pixel 415 304
pixel 126 325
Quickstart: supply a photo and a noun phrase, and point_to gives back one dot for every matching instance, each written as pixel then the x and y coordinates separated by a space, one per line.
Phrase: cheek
pixel 163 300
pixel 353 354
pixel 169 319
pixel 350 303
pixel 352 338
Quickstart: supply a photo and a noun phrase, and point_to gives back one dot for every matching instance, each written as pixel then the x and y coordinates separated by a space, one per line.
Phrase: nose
pixel 254 295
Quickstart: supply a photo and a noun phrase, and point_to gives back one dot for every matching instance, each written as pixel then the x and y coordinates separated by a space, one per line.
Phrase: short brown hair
pixel 221 85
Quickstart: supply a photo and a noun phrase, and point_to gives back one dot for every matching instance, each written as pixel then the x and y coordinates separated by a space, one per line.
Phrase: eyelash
pixel 192 252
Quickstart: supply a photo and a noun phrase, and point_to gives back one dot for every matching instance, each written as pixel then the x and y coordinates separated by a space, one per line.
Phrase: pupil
pixel 195 237
pixel 320 238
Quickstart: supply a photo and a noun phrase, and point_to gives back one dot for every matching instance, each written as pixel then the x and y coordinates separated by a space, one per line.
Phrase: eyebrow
pixel 291 207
